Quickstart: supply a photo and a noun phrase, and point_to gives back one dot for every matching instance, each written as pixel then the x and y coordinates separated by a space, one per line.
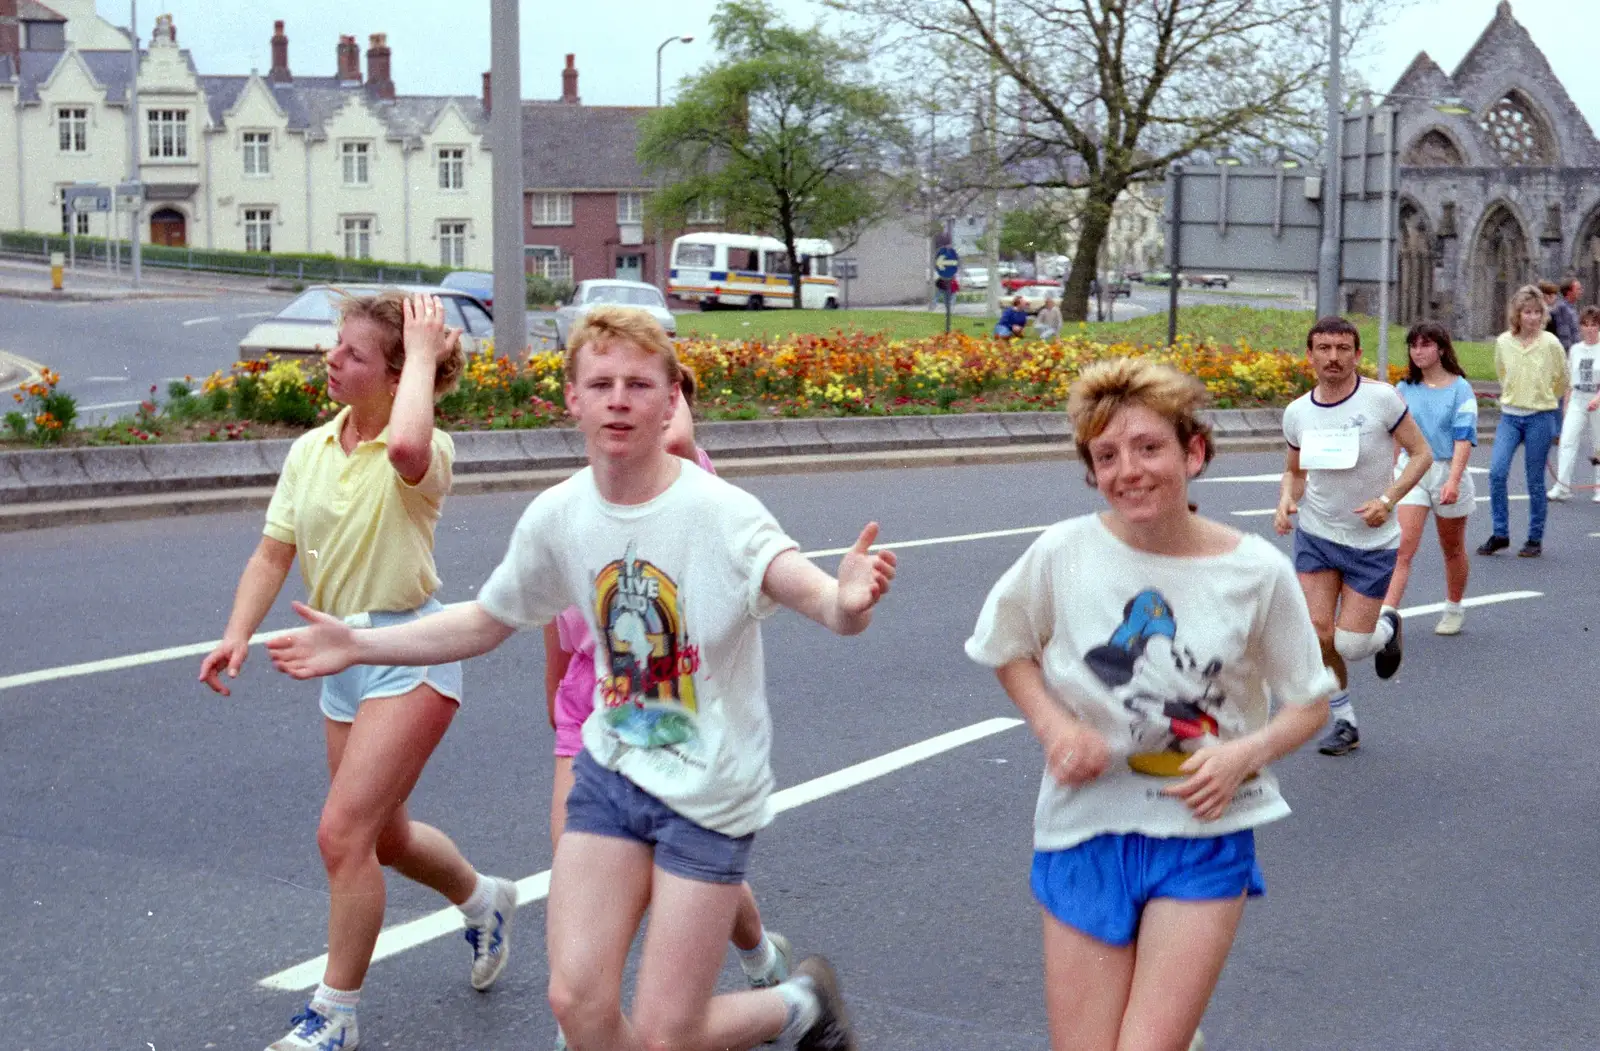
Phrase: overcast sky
pixel 442 47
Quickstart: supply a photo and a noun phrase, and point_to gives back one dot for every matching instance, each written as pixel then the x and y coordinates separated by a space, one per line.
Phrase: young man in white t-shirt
pixel 1583 398
pixel 1339 480
pixel 673 569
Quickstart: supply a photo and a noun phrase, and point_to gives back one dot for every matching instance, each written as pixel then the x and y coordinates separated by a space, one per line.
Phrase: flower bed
pixel 805 375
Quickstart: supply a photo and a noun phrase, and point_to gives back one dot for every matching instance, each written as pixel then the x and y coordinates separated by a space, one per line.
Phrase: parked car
pixel 975 278
pixel 1206 280
pixel 1113 289
pixel 1132 273
pixel 590 294
pixel 309 325
pixel 1034 293
pixel 476 283
pixel 1158 278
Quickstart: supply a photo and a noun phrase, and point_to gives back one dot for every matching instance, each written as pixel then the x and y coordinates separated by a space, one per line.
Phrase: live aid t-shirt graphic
pixel 647 692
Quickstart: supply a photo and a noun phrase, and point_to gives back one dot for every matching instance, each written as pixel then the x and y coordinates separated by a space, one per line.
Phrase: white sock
pixel 1453 607
pixel 326 1000
pixel 758 961
pixel 477 908
pixel 804 1007
pixel 1340 708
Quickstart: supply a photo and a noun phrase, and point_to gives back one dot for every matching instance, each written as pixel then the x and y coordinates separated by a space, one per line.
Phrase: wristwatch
pixel 1388 504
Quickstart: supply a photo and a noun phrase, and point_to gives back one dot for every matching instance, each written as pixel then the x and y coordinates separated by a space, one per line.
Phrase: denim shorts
pixel 343 693
pixel 1365 572
pixel 1101 886
pixel 604 803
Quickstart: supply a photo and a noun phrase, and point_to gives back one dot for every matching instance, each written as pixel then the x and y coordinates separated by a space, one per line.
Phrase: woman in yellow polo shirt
pixel 357 501
pixel 1532 368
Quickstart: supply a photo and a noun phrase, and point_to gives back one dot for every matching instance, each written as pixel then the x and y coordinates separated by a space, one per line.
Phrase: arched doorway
pixel 1586 260
pixel 169 227
pixel 1499 268
pixel 1415 291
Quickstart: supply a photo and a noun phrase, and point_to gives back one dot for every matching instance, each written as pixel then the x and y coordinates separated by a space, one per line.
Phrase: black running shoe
pixel 831 1031
pixel 1494 544
pixel 1387 660
pixel 1341 740
pixel 1532 549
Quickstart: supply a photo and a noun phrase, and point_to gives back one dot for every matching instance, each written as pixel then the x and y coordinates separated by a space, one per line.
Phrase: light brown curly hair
pixel 386 311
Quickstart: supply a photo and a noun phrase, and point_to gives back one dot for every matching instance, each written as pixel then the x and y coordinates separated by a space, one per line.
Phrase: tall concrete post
pixel 1332 182
pixel 505 137
pixel 135 217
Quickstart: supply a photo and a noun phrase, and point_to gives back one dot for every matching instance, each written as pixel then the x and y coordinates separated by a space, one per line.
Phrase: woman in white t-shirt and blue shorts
pixel 1443 403
pixel 1142 644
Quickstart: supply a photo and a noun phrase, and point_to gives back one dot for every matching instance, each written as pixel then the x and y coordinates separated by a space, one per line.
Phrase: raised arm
pixel 843 605
pixel 427 342
pixel 327 645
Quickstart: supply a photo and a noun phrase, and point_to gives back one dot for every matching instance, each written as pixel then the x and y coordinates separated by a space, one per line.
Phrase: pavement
pixel 1431 892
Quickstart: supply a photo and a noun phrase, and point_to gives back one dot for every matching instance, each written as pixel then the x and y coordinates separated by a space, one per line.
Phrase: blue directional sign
pixel 946 262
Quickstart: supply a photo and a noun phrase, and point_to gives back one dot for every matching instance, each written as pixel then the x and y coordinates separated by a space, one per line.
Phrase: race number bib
pixel 1330 450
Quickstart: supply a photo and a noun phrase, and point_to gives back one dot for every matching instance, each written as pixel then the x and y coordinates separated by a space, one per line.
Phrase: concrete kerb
pixel 62 486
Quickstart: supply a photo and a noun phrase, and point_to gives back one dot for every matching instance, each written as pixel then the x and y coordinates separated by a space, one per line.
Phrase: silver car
pixel 310 325
pixel 590 294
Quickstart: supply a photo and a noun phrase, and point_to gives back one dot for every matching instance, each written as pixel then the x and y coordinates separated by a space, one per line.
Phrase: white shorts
pixel 1425 494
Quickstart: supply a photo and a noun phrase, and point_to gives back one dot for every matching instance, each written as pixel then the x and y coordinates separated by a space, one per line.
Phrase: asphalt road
pixel 1433 891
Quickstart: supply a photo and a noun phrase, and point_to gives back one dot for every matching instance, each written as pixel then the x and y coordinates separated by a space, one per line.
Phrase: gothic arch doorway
pixel 1586 264
pixel 1499 268
pixel 169 227
pixel 1415 291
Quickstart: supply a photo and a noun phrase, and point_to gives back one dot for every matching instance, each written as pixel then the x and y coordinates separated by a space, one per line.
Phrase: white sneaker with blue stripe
pixel 491 939
pixel 313 1031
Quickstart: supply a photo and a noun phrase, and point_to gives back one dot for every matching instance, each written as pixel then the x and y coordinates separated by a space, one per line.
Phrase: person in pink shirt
pixel 569 685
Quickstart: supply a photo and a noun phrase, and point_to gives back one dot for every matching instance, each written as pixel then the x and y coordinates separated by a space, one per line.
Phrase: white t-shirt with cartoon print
pixel 1347 451
pixel 671 591
pixel 1158 654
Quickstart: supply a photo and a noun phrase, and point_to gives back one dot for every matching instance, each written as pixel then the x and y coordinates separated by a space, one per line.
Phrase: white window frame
pixel 258 227
pixel 167 134
pixel 452 162
pixel 630 208
pixel 705 213
pixel 452 234
pixel 549 262
pixel 355 163
pixel 361 228
pixel 257 152
pixel 73 125
pixel 551 209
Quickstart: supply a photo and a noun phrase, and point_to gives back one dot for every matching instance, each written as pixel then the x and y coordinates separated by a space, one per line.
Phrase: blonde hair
pixel 1106 388
pixel 1526 296
pixel 386 312
pixel 605 324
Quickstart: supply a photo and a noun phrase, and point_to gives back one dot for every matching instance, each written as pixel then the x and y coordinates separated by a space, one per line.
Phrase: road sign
pixel 87 198
pixel 844 267
pixel 130 196
pixel 946 262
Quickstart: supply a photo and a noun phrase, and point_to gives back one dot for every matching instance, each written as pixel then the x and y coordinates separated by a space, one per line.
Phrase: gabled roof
pixel 1423 77
pixel 570 146
pixel 1505 33
pixel 33 11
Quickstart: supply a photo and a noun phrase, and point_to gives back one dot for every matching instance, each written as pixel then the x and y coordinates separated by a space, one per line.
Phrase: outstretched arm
pixel 259 585
pixel 842 605
pixel 327 645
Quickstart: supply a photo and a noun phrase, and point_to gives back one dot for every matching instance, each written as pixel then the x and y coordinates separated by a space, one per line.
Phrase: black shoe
pixel 1387 660
pixel 831 1031
pixel 1494 544
pixel 1532 549
pixel 1341 740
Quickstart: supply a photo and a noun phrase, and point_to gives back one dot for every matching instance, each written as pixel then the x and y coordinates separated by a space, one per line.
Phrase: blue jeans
pixel 1535 434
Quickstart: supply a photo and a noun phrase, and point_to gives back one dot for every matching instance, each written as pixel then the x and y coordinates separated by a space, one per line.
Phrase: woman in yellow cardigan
pixel 1533 379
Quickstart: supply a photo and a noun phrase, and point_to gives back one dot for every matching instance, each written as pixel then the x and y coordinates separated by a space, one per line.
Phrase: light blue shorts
pixel 1102 885
pixel 343 693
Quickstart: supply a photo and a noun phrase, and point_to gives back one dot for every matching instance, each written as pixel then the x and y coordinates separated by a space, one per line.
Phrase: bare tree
pixel 1096 95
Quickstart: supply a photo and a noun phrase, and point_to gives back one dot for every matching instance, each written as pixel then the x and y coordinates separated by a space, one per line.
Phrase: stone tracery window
pixel 1518 134
pixel 1434 149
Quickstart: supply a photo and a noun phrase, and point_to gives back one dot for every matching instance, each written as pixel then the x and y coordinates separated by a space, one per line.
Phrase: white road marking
pixel 254 313
pixel 1475 600
pixel 535 888
pixel 200 321
pixel 200 649
pixel 1278 476
pixel 107 405
pixel 107 379
pixel 1260 512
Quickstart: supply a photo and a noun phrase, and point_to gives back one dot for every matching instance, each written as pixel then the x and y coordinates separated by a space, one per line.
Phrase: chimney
pixel 569 81
pixel 349 55
pixel 279 74
pixel 488 95
pixel 379 82
pixel 10 33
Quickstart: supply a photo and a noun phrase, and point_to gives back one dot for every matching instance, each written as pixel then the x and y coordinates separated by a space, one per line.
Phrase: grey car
pixel 310 325
pixel 590 294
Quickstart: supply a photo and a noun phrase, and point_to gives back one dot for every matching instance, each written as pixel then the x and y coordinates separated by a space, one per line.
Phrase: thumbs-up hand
pixel 864 574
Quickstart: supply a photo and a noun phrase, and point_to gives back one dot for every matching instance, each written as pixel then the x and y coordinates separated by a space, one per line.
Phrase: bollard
pixel 58 263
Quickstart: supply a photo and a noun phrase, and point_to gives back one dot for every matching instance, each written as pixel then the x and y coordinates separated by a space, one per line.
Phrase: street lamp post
pixel 136 214
pixel 1328 256
pixel 661 279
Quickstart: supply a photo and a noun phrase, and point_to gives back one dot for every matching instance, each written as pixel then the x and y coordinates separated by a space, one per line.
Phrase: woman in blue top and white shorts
pixel 1446 410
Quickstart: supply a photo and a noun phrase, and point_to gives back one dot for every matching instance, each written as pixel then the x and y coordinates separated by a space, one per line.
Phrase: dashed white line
pixel 107 379
pixel 1261 512
pixel 107 405
pixel 200 321
pixel 409 935
pixel 254 313
pixel 1472 601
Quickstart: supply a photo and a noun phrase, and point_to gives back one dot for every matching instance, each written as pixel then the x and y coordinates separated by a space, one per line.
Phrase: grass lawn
pixel 1261 328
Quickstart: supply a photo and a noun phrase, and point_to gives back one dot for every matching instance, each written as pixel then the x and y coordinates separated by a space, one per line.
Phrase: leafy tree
pixel 785 130
pixel 1040 228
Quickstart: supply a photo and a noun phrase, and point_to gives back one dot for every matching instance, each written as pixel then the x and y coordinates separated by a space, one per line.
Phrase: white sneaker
pixel 782 964
pixel 1449 623
pixel 491 940
pixel 1558 492
pixel 313 1031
